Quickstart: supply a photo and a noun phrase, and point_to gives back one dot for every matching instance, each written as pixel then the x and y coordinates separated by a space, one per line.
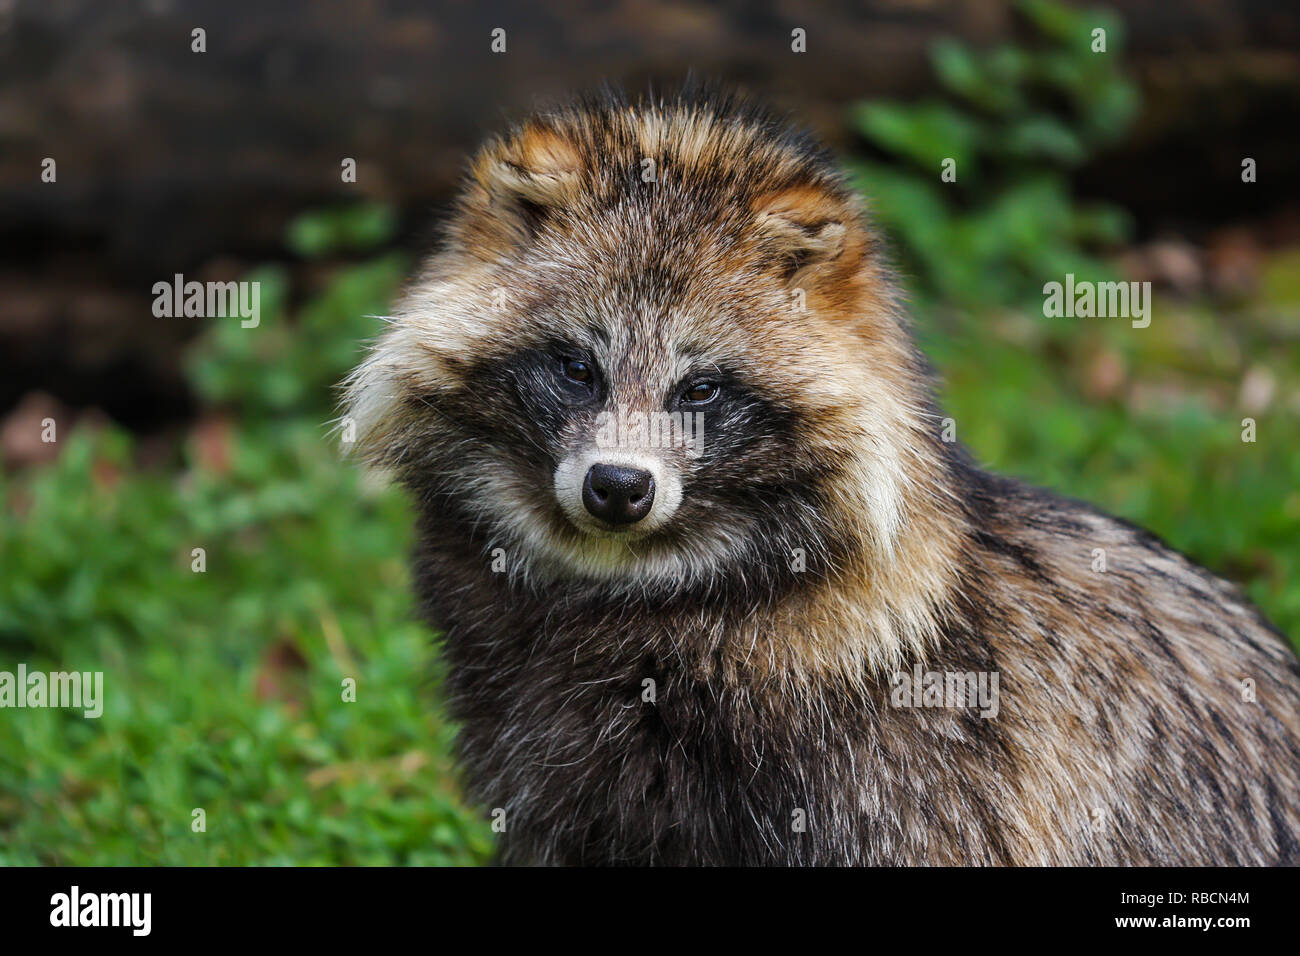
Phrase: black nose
pixel 618 495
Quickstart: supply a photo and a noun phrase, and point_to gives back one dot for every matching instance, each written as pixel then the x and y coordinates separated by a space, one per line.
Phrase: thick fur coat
pixel 718 683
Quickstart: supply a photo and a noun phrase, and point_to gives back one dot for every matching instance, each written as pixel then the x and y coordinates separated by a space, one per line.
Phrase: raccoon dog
pixel 712 587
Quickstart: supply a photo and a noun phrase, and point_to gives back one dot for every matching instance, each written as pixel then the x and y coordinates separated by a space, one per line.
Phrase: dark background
pixel 173 161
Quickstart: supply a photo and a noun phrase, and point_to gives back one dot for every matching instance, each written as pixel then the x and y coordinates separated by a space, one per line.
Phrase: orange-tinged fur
pixel 689 688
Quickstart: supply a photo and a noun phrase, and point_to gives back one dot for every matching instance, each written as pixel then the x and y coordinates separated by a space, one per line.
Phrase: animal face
pixel 649 379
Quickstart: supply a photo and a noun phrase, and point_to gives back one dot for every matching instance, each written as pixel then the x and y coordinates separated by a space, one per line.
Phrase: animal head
pixel 658 345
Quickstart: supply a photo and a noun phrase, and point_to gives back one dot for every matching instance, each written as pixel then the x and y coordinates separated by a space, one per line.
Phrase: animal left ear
pixel 803 225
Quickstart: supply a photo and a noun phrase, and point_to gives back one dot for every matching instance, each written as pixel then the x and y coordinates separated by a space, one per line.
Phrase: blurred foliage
pixel 1015 122
pixel 224 688
pixel 342 229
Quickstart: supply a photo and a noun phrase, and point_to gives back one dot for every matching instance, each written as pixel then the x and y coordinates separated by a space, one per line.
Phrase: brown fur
pixel 828 540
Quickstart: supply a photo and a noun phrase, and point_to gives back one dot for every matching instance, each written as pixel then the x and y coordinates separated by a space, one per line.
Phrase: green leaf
pixel 1043 137
pixel 350 228
pixel 926 134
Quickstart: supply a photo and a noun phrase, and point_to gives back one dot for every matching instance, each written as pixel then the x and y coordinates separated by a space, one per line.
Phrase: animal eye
pixel 576 370
pixel 701 393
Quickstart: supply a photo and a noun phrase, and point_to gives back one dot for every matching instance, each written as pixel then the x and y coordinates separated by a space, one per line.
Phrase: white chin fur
pixel 572 472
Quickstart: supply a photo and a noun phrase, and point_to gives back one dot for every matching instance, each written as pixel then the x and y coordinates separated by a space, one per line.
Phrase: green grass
pixel 224 688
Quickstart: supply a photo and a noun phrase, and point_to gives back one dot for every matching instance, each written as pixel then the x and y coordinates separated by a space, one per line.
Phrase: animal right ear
pixel 521 180
pixel 803 225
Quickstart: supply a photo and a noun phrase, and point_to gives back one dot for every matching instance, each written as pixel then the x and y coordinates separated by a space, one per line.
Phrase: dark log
pixel 168 158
